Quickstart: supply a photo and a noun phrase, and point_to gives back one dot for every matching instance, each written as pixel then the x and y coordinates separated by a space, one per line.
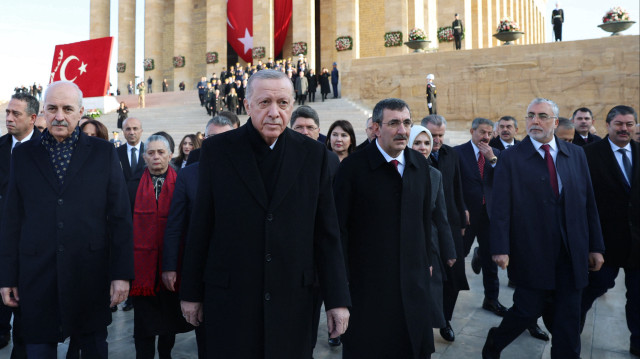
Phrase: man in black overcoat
pixel 616 185
pixel 507 128
pixel 66 249
pixel 263 227
pixel 383 200
pixel 583 120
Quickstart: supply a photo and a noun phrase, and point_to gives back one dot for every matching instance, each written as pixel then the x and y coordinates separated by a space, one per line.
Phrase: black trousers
pixel 482 231
pixel 145 347
pixel 456 38
pixel 562 304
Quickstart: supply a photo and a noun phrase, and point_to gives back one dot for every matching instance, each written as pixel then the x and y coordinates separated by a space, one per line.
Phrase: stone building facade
pixel 191 28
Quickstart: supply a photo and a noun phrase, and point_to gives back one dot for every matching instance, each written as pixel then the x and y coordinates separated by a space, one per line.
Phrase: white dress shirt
pixel 25 139
pixel 618 156
pixel 388 158
pixel 553 150
pixel 477 153
pixel 137 147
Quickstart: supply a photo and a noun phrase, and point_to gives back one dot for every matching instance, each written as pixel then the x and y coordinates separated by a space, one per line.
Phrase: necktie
pixel 481 169
pixel 508 146
pixel 18 143
pixel 395 164
pixel 134 158
pixel 435 155
pixel 625 163
pixel 553 176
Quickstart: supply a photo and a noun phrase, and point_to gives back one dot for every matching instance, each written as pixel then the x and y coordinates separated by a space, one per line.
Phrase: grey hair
pixel 219 121
pixel 33 106
pixel 554 107
pixel 266 75
pixel 435 120
pixel 154 138
pixel 57 83
pixel 480 121
pixel 394 104
pixel 564 122
pixel 306 112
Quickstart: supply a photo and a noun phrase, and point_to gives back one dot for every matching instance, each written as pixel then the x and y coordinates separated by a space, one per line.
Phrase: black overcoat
pixel 63 245
pixel 252 261
pixel 385 225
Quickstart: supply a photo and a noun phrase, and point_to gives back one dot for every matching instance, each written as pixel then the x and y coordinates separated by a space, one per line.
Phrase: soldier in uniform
pixel 458 30
pixel 557 18
pixel 431 95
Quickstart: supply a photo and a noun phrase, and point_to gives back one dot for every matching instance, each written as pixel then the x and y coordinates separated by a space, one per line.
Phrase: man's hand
pixel 451 262
pixel 119 292
pixel 595 261
pixel 169 280
pixel 192 312
pixel 486 150
pixel 6 296
pixel 466 213
pixel 337 321
pixel 502 260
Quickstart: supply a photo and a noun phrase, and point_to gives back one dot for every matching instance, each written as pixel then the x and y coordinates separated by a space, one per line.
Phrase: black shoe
pixel 475 262
pixel 128 305
pixel 447 333
pixel 489 351
pixel 114 308
pixel 538 333
pixel 493 305
pixel 4 339
pixel 334 342
pixel 634 350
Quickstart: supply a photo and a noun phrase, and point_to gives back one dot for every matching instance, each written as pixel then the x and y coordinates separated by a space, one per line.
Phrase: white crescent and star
pixel 247 40
pixel 63 69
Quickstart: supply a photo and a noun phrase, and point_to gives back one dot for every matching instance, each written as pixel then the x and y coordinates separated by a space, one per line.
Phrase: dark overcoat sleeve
pixel 176 224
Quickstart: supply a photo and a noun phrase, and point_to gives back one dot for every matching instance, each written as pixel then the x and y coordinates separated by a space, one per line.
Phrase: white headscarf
pixel 415 131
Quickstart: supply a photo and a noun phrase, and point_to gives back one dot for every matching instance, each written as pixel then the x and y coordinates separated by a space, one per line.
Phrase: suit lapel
pixel 124 160
pixel 244 161
pixel 471 156
pixel 41 158
pixel 80 155
pixel 635 163
pixel 293 159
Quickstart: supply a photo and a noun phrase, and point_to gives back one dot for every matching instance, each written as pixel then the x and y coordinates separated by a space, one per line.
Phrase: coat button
pixel 60 225
pixel 60 202
pixel 269 217
pixel 267 296
pixel 267 257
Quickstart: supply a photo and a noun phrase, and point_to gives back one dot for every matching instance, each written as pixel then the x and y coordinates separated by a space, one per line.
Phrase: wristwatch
pixel 494 160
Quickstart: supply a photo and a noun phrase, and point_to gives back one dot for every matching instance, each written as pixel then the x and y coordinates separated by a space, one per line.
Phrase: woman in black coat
pixel 123 113
pixel 325 86
pixel 312 78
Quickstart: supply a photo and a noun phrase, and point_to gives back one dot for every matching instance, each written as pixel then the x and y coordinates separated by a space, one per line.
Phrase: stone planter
pixel 615 27
pixel 508 36
pixel 417 45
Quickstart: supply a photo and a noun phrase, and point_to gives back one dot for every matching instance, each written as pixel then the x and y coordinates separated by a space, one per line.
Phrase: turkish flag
pixel 85 63
pixel 240 27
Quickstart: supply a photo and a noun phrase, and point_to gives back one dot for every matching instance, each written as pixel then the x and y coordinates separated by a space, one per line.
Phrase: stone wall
pixel 498 81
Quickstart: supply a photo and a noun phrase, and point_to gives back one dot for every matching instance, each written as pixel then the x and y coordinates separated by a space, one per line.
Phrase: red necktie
pixel 395 164
pixel 481 169
pixel 553 176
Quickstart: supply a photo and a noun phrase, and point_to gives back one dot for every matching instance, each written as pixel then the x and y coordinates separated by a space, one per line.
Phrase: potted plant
pixel 417 40
pixel 616 20
pixel 507 31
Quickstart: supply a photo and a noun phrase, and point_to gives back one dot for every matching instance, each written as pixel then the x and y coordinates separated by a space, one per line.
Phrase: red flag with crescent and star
pixel 85 63
pixel 240 27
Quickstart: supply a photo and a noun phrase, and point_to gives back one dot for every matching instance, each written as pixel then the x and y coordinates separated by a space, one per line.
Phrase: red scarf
pixel 149 222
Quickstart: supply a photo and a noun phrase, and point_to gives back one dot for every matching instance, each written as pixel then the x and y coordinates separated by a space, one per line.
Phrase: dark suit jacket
pixel 618 204
pixel 184 196
pixel 124 161
pixel 578 140
pixel 257 257
pixel 474 187
pixel 364 144
pixel 5 159
pixel 194 156
pixel 524 210
pixel 62 245
pixel 385 225
pixel 496 143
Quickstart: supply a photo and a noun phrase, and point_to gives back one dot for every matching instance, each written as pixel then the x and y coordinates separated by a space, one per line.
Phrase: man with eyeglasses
pixel 545 227
pixel 382 196
pixel 477 161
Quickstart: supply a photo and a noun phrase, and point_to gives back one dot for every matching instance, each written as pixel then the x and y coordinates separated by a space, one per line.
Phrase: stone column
pixel 498 13
pixel 487 22
pixel 99 13
pixel 153 43
pixel 216 34
pixel 520 17
pixel 182 42
pixel 263 26
pixel 476 9
pixel 347 19
pixel 431 21
pixel 468 22
pixel 303 27
pixel 396 18
pixel 126 42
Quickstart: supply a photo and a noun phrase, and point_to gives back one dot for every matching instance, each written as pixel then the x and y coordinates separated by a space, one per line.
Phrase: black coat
pixel 325 86
pixel 62 245
pixel 618 205
pixel 496 143
pixel 386 231
pixel 251 260
pixel 475 188
pixel 313 82
pixel 578 140
pixel 449 166
pixel 124 162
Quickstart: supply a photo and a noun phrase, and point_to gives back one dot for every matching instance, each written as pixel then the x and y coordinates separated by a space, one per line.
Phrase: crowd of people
pixel 248 229
pixel 34 90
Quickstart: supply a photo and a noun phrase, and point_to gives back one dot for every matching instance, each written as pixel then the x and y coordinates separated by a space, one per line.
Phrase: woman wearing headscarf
pixel 441 237
pixel 157 310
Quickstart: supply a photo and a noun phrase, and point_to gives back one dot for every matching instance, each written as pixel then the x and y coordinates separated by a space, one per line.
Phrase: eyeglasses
pixel 395 123
pixel 309 128
pixel 541 116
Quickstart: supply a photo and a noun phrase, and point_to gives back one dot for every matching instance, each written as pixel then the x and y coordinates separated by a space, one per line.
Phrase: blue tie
pixel 626 164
